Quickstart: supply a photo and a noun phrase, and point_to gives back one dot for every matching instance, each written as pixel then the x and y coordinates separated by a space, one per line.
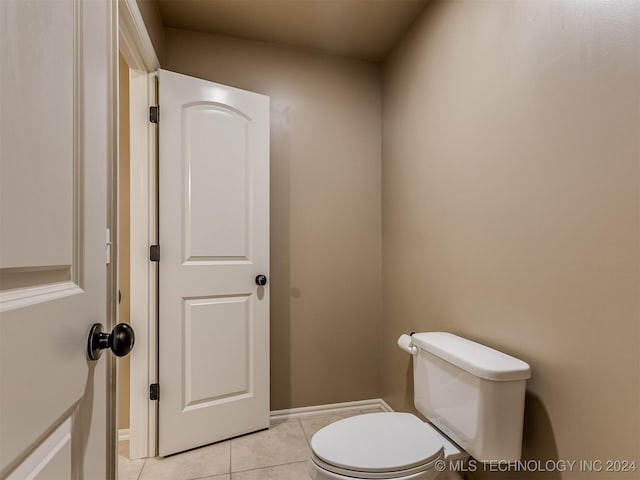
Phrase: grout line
pixel 279 464
pixel 210 476
pixel 142 468
pixel 230 456
pixel 304 433
pixel 269 466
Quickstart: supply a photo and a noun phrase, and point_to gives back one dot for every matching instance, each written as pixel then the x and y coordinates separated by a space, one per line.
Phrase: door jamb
pixel 138 51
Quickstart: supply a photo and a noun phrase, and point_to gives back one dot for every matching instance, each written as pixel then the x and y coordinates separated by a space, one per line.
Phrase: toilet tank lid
pixel 477 359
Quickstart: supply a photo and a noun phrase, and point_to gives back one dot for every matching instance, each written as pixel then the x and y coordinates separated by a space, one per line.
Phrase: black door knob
pixel 261 280
pixel 120 340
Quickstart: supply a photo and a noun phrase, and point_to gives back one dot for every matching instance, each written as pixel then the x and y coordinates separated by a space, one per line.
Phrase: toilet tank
pixel 472 393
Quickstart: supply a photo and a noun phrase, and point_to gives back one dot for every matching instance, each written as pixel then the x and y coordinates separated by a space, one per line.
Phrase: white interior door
pixel 214 240
pixel 54 132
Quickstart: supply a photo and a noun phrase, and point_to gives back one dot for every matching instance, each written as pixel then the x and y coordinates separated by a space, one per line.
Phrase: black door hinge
pixel 154 391
pixel 154 253
pixel 154 114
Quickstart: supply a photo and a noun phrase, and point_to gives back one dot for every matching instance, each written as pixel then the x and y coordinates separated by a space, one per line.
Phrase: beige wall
pixel 123 237
pixel 325 209
pixel 511 155
pixel 150 12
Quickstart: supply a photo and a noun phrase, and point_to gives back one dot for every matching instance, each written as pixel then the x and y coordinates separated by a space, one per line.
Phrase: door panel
pixel 209 323
pixel 40 176
pixel 46 76
pixel 214 237
pixel 216 195
pixel 52 458
pixel 53 217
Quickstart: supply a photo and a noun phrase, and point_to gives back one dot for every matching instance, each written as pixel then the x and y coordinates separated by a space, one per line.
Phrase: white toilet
pixel 473 397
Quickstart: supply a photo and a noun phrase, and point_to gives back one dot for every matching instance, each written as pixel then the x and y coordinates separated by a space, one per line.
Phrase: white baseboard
pixel 124 434
pixel 385 406
pixel 330 408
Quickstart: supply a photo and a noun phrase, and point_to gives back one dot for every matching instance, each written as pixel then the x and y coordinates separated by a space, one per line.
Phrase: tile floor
pixel 279 453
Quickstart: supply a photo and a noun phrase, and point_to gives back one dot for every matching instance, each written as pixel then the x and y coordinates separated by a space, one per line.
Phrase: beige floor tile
pixel 129 469
pixel 313 423
pixel 292 471
pixel 283 443
pixel 201 462
pixel 217 477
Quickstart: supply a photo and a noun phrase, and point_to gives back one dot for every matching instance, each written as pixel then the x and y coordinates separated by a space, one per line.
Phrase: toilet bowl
pixel 396 446
pixel 473 397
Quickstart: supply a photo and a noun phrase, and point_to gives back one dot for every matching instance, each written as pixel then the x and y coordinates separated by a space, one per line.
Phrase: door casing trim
pixel 137 49
pixel 135 42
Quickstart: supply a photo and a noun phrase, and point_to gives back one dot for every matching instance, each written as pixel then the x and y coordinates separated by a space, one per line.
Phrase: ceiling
pixel 364 29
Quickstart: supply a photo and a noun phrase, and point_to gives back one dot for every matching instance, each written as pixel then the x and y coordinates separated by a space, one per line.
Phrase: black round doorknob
pixel 261 280
pixel 120 340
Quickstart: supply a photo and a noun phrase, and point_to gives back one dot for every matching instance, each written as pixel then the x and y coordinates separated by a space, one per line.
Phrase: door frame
pixel 137 50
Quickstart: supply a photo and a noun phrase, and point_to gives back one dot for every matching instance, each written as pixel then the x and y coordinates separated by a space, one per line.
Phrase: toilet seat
pixel 377 446
pixel 356 475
